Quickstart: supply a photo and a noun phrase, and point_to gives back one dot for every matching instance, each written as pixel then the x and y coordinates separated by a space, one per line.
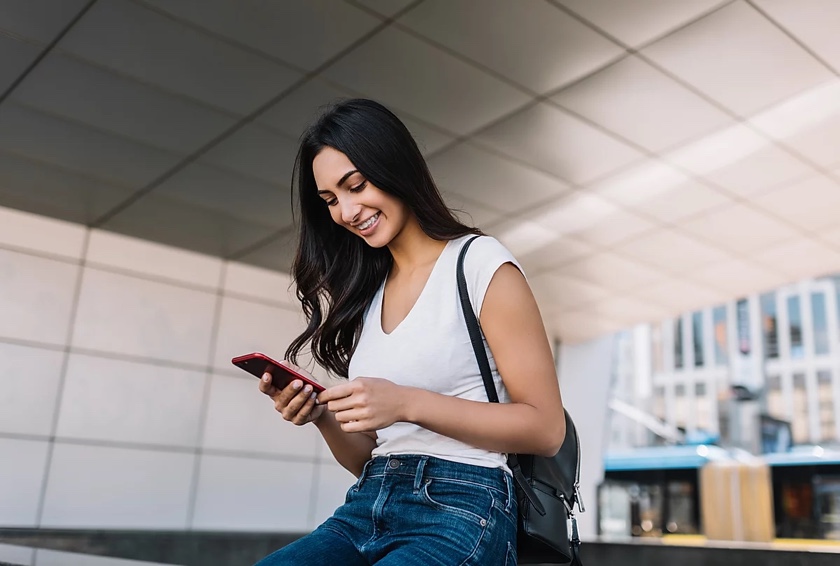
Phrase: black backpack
pixel 547 488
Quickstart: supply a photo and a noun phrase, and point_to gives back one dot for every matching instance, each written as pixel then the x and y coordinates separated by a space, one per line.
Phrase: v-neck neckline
pixel 401 323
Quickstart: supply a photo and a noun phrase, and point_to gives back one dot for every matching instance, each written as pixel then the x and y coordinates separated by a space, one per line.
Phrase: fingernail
pixel 314 396
pixel 266 378
pixel 307 389
pixel 296 384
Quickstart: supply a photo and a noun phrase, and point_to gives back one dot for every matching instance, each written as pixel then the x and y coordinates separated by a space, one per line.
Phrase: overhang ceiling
pixel 641 157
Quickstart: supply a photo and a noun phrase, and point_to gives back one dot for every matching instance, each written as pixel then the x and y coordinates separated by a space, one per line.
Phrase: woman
pixel 376 274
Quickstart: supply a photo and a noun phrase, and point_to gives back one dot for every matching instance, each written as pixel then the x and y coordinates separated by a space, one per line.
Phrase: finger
pixel 337 392
pixel 287 393
pixel 267 387
pixel 302 416
pixel 343 404
pixel 356 426
pixel 290 409
pixel 352 415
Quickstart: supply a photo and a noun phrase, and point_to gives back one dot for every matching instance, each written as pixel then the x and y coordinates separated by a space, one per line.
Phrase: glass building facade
pixel 715 374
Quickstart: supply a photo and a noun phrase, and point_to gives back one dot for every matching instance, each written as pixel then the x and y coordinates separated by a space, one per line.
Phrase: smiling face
pixel 355 203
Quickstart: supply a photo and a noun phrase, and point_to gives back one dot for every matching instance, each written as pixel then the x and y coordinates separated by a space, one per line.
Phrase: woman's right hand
pixel 296 402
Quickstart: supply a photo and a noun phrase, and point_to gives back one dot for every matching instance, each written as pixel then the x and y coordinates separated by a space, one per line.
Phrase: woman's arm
pixel 533 422
pixel 350 449
pixel 296 403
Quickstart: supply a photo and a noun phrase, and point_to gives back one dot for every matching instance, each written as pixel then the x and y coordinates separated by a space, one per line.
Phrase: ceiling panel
pixel 412 76
pixel 738 277
pixel 117 160
pixel 128 38
pixel 801 258
pixel 161 218
pixel 611 271
pixel 326 27
pixel 80 92
pixel 15 58
pixel 470 213
pixel 580 326
pixel 387 8
pixel 486 178
pixel 553 254
pixel 295 111
pixel 766 168
pixel 671 251
pixel 616 227
pixel 679 295
pixel 53 191
pixel 643 105
pixel 255 151
pixel 738 58
pixel 832 237
pixel 41 20
pixel 627 310
pixel 814 22
pixel 657 190
pixel 244 198
pixel 565 292
pixel 739 228
pixel 277 254
pixel 533 43
pixel 811 204
pixel 638 21
pixel 552 140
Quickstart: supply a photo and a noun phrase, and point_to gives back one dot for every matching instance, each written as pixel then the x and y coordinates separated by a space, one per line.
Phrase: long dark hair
pixel 336 273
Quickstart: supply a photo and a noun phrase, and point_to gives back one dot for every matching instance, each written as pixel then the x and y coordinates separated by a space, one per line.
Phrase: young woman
pixel 376 274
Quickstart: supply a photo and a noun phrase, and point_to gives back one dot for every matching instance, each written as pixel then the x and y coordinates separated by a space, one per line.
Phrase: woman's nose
pixel 350 211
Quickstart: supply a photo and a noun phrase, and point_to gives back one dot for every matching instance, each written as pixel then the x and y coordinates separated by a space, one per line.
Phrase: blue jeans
pixel 409 510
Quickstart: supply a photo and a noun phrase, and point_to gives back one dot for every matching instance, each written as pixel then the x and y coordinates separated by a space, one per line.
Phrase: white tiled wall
pixel 119 407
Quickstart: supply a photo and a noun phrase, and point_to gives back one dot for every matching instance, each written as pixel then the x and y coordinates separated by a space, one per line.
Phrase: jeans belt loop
pixel 418 476
pixel 364 474
pixel 511 493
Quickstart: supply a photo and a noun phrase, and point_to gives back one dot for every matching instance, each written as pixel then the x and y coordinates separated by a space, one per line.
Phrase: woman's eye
pixel 332 202
pixel 358 187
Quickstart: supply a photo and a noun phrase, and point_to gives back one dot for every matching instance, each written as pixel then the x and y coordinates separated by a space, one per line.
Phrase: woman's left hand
pixel 366 404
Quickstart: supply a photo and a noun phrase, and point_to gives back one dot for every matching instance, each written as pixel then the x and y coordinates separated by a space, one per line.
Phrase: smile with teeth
pixel 369 222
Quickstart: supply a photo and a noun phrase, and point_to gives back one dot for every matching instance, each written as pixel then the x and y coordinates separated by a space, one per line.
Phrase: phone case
pixel 282 373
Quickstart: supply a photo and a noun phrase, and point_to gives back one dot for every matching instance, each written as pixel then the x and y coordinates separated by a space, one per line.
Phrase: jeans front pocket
pixel 470 501
pixel 510 557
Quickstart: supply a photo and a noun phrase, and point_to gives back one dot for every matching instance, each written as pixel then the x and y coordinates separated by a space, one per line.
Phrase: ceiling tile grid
pixel 133 40
pixel 640 158
pixel 531 43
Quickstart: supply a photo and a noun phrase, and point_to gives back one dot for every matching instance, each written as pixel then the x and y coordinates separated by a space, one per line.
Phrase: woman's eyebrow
pixel 346 175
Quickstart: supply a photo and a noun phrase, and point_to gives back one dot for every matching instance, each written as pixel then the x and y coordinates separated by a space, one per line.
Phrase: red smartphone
pixel 282 373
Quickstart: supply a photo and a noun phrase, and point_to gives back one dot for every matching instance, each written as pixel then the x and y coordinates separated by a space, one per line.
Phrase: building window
pixel 820 316
pixel 797 349
pixel 775 404
pixel 769 331
pixel 678 344
pixel 697 330
pixel 657 353
pixel 743 320
pixel 659 402
pixel 800 410
pixel 720 337
pixel 825 394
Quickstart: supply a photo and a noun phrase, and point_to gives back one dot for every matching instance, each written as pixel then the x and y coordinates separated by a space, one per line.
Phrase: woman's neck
pixel 413 248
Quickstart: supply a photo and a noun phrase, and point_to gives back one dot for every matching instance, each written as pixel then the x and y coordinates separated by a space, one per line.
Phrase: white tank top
pixel 431 349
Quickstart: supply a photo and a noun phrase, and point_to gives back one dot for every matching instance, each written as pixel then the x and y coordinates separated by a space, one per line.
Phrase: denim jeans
pixel 409 510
